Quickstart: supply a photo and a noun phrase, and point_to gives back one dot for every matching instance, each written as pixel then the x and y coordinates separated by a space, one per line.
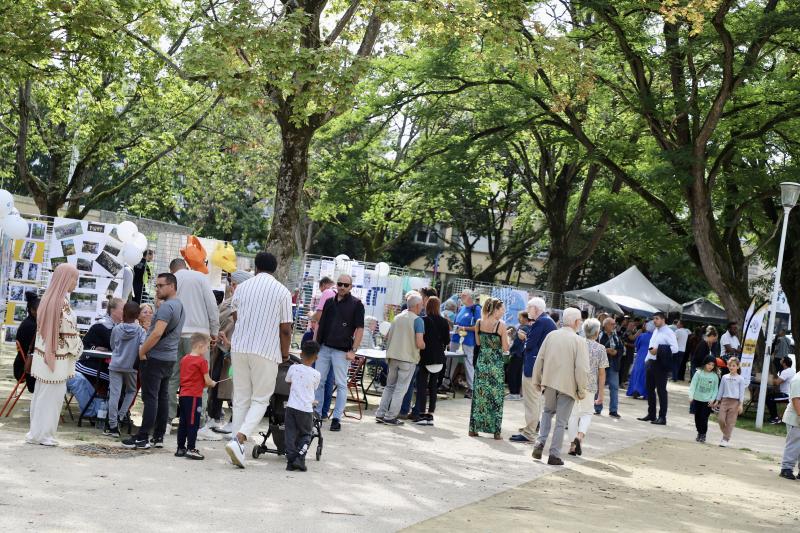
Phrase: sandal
pixel 498 436
pixel 577 444
pixel 473 434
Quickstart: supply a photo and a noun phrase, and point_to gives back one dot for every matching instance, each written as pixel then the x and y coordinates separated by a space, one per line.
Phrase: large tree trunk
pixel 733 294
pixel 292 176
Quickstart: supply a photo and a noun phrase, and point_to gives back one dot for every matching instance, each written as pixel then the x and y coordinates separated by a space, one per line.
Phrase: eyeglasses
pixel 162 285
pixel 340 284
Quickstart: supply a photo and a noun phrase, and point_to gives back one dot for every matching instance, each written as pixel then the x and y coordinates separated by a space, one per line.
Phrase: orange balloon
pixel 194 254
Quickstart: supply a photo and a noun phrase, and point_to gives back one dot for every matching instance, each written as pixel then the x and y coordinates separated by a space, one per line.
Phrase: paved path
pixel 371 477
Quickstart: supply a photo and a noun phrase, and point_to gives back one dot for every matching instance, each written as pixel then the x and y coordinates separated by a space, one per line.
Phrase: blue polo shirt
pixel 466 317
pixel 539 330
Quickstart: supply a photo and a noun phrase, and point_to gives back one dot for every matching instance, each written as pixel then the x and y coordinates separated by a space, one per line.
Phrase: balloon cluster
pixel 134 243
pixel 14 226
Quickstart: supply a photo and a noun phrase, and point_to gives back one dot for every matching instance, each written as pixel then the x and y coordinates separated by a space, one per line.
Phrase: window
pixel 427 235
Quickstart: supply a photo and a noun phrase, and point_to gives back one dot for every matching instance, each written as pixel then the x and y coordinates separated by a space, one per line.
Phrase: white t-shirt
pixel 305 381
pixel 262 304
pixel 731 340
pixel 682 334
pixel 787 374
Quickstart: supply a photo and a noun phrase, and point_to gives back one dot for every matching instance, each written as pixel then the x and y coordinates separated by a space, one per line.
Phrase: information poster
pixel 753 322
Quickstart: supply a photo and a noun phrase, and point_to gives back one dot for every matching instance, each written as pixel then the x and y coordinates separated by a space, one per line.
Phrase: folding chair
pixel 20 387
pixel 355 378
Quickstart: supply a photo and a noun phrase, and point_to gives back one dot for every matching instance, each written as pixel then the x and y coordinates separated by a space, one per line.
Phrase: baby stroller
pixel 276 412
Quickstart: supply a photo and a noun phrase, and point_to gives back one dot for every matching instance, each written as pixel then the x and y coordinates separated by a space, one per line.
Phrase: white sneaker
pixel 206 433
pixel 235 452
pixel 724 443
pixel 226 429
pixel 211 424
pixel 513 397
pixel 168 429
pixel 49 442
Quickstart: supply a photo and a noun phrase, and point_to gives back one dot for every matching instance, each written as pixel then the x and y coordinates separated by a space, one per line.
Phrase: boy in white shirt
pixel 299 418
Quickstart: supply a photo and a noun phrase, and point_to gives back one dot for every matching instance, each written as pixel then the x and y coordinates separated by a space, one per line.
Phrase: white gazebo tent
pixel 631 290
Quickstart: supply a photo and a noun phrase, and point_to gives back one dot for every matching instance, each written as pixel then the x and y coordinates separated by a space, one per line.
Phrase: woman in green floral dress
pixel 486 415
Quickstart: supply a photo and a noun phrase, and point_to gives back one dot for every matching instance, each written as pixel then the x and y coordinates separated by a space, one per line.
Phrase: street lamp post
pixel 789 194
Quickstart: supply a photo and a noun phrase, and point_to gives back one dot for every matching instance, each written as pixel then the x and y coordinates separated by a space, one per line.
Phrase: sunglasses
pixel 340 284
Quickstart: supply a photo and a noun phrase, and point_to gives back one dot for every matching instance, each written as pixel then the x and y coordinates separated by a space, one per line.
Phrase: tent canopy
pixel 703 310
pixel 633 290
pixel 596 299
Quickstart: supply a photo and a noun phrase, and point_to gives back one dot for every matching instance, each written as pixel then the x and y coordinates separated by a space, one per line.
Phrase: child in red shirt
pixel 194 376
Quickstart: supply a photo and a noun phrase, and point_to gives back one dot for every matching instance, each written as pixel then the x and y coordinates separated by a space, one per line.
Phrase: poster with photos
pixel 24 271
pixel 91 246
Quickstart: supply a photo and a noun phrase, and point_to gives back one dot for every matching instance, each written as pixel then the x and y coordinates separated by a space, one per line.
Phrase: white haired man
pixel 405 340
pixel 466 318
pixel 541 325
pixel 562 370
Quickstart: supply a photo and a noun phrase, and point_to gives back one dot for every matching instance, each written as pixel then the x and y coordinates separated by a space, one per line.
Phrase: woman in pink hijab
pixel 58 345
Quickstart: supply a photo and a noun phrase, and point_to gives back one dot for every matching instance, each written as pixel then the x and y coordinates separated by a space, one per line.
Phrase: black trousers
pixel 656 382
pixel 701 413
pixel 427 387
pixel 625 366
pixel 189 410
pixel 214 407
pixel 154 378
pixel 297 434
pixel 514 375
pixel 772 406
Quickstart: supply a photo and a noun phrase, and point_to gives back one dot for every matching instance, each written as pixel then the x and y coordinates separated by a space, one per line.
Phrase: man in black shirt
pixel 141 276
pixel 341 327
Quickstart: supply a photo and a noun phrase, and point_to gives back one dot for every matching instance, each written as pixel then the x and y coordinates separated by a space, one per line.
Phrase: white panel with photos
pixel 95 250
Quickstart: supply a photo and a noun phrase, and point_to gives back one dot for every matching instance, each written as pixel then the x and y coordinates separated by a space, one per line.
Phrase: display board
pixel 25 271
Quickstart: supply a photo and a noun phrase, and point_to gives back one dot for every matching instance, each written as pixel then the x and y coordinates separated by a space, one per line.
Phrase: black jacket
pixel 702 351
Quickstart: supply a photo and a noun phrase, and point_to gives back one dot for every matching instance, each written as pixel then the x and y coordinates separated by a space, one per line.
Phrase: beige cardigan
pixel 563 363
pixel 70 348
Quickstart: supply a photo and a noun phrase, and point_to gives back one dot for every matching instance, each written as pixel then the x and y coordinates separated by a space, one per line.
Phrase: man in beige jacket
pixel 562 370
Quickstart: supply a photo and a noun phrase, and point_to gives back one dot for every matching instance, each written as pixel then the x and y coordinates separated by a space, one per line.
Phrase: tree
pixel 91 109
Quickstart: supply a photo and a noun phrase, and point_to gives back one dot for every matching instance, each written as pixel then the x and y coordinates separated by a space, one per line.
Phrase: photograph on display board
pixel 111 249
pixel 83 302
pixel 113 234
pixel 55 261
pixel 84 265
pixel 70 229
pixel 37 230
pixel 87 284
pixel 32 251
pixel 97 227
pixel 112 287
pixel 11 333
pixel 16 293
pixel 20 312
pixel 83 321
pixel 28 250
pixel 33 272
pixel 90 247
pixel 109 263
pixel 19 270
pixel 68 247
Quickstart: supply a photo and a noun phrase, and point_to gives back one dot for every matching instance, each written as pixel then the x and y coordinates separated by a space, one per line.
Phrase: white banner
pixel 753 322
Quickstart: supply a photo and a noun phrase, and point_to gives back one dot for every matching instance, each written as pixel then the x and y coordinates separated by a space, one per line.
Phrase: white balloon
pixel 126 230
pixel 131 253
pixel 341 257
pixel 15 227
pixel 384 328
pixel 140 241
pixel 382 269
pixel 6 202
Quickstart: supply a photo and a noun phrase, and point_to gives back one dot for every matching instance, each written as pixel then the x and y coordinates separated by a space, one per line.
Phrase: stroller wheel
pixel 256 451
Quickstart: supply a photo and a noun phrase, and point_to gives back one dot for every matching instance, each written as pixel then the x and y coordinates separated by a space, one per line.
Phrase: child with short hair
pixel 730 400
pixel 194 376
pixel 702 393
pixel 126 338
pixel 299 418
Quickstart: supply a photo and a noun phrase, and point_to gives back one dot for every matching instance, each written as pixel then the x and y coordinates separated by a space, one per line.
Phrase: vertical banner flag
pixel 753 322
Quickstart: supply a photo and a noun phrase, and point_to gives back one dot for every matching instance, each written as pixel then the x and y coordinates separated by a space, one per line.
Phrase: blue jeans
pixel 406 407
pixel 612 380
pixel 330 359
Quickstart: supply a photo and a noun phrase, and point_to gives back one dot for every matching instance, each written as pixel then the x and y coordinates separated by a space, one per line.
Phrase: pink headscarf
pixel 48 319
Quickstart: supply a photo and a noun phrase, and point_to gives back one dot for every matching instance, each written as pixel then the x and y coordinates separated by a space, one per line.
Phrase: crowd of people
pixel 558 365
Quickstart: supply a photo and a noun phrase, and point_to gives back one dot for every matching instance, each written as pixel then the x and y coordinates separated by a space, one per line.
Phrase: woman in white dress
pixel 58 346
pixel 583 410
